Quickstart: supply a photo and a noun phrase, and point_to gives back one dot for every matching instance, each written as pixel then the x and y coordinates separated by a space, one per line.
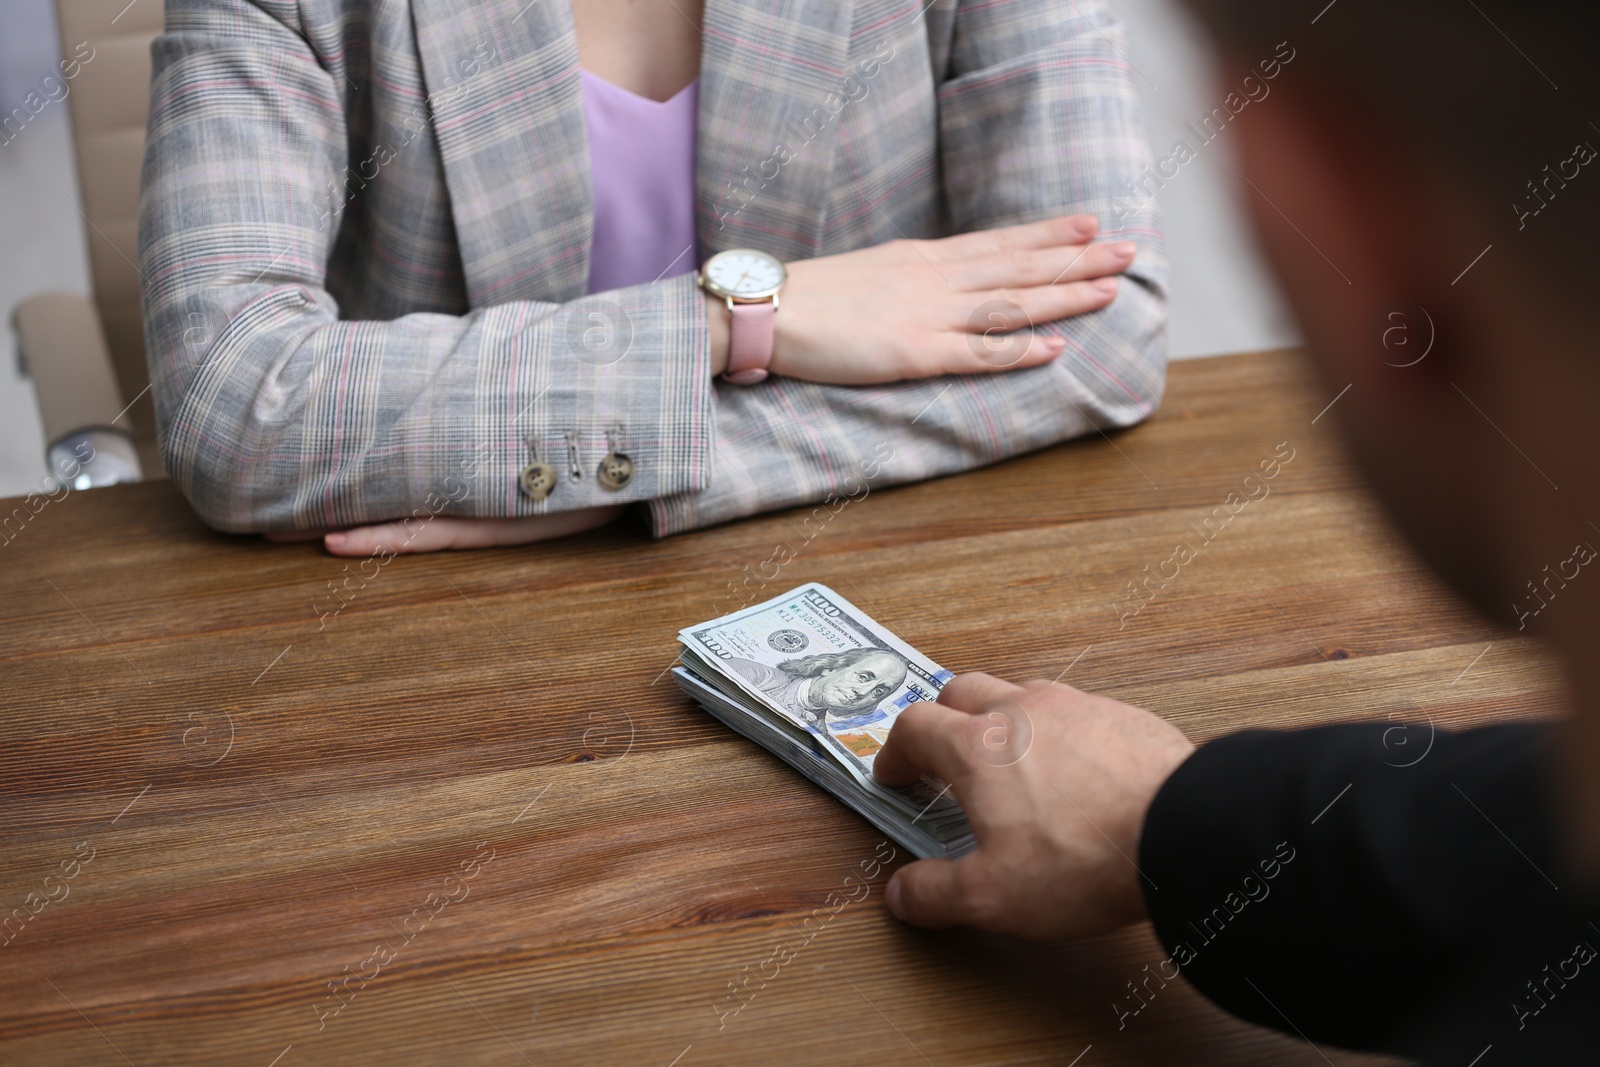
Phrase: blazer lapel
pixel 508 116
pixel 764 153
pixel 502 76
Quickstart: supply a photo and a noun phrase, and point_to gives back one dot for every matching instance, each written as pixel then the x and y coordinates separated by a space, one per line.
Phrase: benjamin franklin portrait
pixel 838 684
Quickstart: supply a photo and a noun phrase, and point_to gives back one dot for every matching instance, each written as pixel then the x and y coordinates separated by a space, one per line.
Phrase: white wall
pixel 1223 299
pixel 42 243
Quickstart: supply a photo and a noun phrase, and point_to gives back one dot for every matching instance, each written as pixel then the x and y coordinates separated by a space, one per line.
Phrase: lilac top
pixel 641 165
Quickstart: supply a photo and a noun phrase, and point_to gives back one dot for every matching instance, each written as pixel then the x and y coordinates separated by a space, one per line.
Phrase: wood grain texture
pixel 269 796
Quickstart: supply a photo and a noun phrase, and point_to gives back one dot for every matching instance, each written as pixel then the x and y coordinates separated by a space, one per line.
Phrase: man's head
pixel 1431 167
pixel 1400 167
pixel 849 682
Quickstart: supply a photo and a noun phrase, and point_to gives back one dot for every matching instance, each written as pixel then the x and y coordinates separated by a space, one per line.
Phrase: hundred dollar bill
pixel 819 668
pixel 924 839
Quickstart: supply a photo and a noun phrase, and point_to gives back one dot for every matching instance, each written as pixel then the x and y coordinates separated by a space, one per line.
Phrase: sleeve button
pixel 616 470
pixel 537 480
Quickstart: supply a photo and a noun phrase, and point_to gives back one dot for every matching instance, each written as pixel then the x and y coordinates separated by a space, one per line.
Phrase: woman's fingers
pixel 959 305
pixel 1043 266
pixel 997 350
pixel 1000 334
pixel 446 532
pixel 1044 303
pixel 393 538
pixel 437 534
pixel 1061 230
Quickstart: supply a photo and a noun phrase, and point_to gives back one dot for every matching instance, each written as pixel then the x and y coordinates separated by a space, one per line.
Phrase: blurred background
pixel 1222 297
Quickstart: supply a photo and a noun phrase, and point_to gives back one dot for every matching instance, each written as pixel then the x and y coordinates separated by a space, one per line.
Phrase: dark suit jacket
pixel 1378 887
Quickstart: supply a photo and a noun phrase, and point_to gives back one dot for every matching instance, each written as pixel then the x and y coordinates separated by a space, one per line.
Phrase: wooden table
pixel 479 765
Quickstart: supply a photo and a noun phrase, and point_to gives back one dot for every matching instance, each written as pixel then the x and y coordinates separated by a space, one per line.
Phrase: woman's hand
pixel 445 531
pixel 920 309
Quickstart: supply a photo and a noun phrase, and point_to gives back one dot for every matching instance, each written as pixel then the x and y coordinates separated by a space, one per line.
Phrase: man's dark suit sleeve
pixel 1344 882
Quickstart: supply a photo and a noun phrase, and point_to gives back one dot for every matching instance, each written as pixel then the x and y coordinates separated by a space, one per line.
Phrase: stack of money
pixel 812 679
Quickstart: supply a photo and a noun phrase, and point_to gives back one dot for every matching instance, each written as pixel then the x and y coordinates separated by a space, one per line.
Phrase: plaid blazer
pixel 365 239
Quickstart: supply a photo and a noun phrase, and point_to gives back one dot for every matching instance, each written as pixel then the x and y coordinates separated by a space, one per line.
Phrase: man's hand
pixel 1055 782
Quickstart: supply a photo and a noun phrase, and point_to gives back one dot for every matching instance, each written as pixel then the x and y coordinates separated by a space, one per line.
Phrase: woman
pixel 405 259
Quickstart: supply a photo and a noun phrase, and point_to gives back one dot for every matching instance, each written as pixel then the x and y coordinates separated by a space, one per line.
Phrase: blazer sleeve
pixel 1037 117
pixel 1374 886
pixel 276 414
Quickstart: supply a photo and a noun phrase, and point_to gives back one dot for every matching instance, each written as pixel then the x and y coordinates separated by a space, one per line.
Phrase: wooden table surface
pixel 467 820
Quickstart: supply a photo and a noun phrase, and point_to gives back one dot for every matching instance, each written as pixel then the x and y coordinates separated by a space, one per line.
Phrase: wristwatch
pixel 749 281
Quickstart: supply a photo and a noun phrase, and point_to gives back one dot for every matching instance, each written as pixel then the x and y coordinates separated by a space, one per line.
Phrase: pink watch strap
pixel 750 343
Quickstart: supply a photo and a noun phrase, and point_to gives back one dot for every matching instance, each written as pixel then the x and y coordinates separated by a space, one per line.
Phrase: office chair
pixel 86 354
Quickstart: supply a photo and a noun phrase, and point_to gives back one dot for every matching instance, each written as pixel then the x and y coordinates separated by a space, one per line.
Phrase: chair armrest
pixel 64 348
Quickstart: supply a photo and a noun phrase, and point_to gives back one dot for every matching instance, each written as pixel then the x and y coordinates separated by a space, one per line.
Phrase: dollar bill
pixel 815 667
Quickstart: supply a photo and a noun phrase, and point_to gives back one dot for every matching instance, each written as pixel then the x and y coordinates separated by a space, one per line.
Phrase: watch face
pixel 744 272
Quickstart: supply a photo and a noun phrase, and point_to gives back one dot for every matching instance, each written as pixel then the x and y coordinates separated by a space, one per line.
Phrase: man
pixel 1439 155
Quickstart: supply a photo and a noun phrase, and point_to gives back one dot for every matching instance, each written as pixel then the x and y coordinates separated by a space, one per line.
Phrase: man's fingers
pixel 925 738
pixel 933 893
pixel 1045 683
pixel 971 691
